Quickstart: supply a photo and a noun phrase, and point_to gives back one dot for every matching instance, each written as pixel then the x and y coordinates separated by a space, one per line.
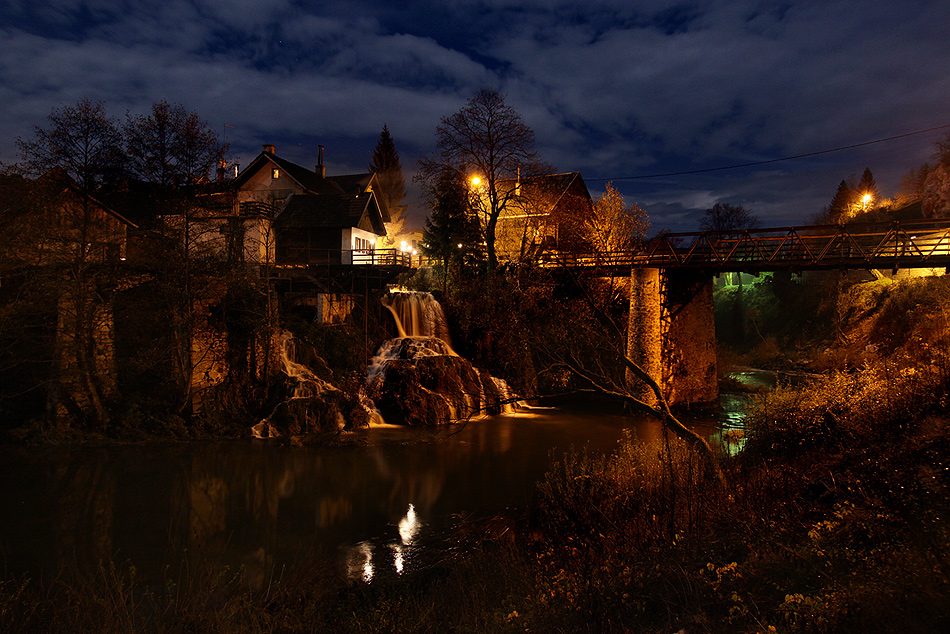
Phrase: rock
pixel 417 381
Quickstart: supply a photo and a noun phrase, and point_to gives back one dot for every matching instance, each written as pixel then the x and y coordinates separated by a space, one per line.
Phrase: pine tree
pixel 392 187
pixel 450 234
pixel 868 186
pixel 842 204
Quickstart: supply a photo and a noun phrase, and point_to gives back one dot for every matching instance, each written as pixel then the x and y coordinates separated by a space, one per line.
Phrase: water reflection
pixel 369 505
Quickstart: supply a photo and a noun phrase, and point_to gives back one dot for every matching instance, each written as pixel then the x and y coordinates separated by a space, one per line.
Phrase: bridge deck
pixel 918 244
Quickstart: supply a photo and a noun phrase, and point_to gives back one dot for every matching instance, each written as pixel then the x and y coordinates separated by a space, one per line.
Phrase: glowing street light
pixel 866 201
pixel 476 181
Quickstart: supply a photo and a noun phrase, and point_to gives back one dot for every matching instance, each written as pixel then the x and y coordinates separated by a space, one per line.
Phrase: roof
pixel 353 183
pixel 316 211
pixel 63 186
pixel 360 183
pixel 308 180
pixel 551 186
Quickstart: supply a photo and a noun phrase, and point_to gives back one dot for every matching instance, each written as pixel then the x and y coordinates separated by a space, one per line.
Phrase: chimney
pixel 321 168
pixel 518 184
pixel 222 169
pixel 269 149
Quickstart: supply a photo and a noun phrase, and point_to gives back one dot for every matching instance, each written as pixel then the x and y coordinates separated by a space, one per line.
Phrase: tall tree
pixel 81 141
pixel 79 151
pixel 727 217
pixel 171 147
pixel 177 151
pixel 842 204
pixel 488 140
pixel 392 187
pixel 613 226
pixel 450 233
pixel 867 186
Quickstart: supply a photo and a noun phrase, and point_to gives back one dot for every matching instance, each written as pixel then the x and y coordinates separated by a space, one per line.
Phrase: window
pixel 275 173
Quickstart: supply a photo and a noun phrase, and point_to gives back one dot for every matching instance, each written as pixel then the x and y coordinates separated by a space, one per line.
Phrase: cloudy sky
pixel 616 89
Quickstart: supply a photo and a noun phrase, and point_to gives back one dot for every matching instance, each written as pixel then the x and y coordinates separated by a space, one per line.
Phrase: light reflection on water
pixel 369 505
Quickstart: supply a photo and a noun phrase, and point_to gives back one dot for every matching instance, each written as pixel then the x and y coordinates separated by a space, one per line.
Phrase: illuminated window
pixel 275 173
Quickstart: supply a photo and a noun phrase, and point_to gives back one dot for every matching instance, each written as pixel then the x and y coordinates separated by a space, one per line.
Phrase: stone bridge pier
pixel 671 334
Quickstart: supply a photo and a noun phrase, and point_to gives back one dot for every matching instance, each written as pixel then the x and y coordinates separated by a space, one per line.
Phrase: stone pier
pixel 671 334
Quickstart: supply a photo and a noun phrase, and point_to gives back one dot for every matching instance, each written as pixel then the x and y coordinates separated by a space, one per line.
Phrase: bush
pixel 886 398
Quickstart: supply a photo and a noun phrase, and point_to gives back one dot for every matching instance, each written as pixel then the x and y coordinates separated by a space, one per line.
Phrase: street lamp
pixel 866 200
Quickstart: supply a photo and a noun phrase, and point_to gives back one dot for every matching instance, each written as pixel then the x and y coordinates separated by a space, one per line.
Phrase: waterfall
pixel 303 384
pixel 418 314
pixel 417 378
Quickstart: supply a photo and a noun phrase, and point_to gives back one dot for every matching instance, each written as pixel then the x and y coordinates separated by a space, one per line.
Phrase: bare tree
pixel 78 152
pixel 582 347
pixel 487 140
pixel 727 217
pixel 171 147
pixel 176 151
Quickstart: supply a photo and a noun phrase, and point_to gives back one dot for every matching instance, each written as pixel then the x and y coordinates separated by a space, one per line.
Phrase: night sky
pixel 612 88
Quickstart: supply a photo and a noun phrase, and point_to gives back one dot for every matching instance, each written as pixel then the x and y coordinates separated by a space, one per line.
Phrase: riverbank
pixel 845 533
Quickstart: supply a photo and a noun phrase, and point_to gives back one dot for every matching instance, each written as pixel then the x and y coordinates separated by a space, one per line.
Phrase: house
pixel 51 221
pixel 299 216
pixel 543 213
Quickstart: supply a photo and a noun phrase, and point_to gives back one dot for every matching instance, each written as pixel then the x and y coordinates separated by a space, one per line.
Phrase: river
pixel 367 504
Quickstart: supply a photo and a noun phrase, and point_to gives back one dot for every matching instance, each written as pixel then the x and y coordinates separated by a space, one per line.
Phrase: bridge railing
pixel 870 245
pixel 914 243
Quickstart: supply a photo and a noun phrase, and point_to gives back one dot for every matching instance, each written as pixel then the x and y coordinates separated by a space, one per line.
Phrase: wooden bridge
pixel 890 245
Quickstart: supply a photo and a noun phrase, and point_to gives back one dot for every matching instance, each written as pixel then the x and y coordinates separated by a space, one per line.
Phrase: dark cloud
pixel 611 88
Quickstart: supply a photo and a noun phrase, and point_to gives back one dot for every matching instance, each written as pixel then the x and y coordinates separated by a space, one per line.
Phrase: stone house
pixel 543 214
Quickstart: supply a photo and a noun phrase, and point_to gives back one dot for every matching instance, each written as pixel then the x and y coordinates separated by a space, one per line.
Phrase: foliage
pixel 852 199
pixel 450 236
pixel 613 226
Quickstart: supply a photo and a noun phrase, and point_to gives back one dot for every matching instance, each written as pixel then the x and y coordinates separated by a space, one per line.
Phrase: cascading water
pixel 302 384
pixel 418 315
pixel 418 379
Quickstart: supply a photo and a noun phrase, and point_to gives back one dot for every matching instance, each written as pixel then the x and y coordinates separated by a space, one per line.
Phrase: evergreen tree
pixel 392 186
pixel 867 186
pixel 450 235
pixel 842 203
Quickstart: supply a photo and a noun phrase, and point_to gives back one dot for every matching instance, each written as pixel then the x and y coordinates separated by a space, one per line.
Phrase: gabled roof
pixel 316 211
pixel 308 180
pixel 361 183
pixel 63 186
pixel 552 187
pixel 354 183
